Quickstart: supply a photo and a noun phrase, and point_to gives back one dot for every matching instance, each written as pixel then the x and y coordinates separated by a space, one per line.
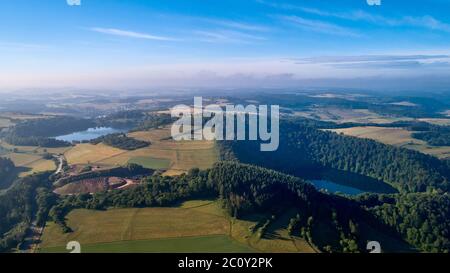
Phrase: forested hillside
pixel 435 135
pixel 28 199
pixel 6 168
pixel 305 152
pixel 423 219
pixel 51 127
pixel 38 132
pixel 136 120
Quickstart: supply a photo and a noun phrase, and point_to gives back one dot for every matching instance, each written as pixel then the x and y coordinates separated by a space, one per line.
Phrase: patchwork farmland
pixel 163 153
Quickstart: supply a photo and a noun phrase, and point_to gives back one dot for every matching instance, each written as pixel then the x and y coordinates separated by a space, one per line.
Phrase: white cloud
pixel 227 36
pixel 21 46
pixel 239 25
pixel 131 34
pixel 317 25
pixel 425 21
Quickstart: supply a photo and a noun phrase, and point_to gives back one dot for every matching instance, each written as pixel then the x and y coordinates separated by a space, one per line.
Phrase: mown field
pixel 198 244
pixel 151 163
pixel 181 228
pixel 29 159
pixel 340 115
pixel 163 153
pixel 4 123
pixel 395 136
pixel 193 226
pixel 437 121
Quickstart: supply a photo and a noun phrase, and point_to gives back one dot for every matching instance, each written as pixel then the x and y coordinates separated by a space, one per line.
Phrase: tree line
pixel 121 141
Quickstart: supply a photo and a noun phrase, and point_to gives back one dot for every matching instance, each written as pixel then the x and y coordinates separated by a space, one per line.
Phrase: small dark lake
pixel 334 187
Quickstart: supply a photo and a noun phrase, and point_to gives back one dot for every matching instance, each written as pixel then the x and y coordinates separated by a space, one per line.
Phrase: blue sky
pixel 138 43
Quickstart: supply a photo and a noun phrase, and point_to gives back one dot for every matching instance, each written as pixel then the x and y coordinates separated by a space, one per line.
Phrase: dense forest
pixel 305 151
pixel 136 120
pixel 50 127
pixel 39 132
pixel 152 121
pixel 423 219
pixel 6 168
pixel 121 141
pixel 35 141
pixel 28 199
pixel 435 135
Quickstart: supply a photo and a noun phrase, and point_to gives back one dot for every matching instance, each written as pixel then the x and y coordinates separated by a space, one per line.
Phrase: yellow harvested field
pixel 392 136
pixel 277 239
pixel 34 149
pixel 339 115
pixel 134 224
pixel 23 160
pixel 191 219
pixel 124 157
pixel 395 136
pixel 174 172
pixel 32 162
pixel 5 123
pixel 56 151
pixel 88 153
pixel 441 152
pixel 39 166
pixel 20 116
pixel 437 121
pixel 151 136
pixel 10 147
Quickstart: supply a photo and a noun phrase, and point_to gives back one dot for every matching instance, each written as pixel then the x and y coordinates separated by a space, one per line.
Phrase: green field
pixel 151 163
pixel 192 226
pixel 210 244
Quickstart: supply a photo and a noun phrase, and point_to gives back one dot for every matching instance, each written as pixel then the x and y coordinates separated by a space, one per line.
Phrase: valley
pixel 126 186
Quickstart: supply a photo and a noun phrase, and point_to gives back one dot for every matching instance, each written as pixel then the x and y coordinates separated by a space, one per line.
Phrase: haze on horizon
pixel 235 43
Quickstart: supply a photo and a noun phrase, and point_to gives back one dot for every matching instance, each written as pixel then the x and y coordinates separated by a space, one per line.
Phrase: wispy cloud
pixel 379 61
pixel 21 46
pixel 428 22
pixel 131 34
pixel 369 58
pixel 317 25
pixel 425 21
pixel 239 25
pixel 227 36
